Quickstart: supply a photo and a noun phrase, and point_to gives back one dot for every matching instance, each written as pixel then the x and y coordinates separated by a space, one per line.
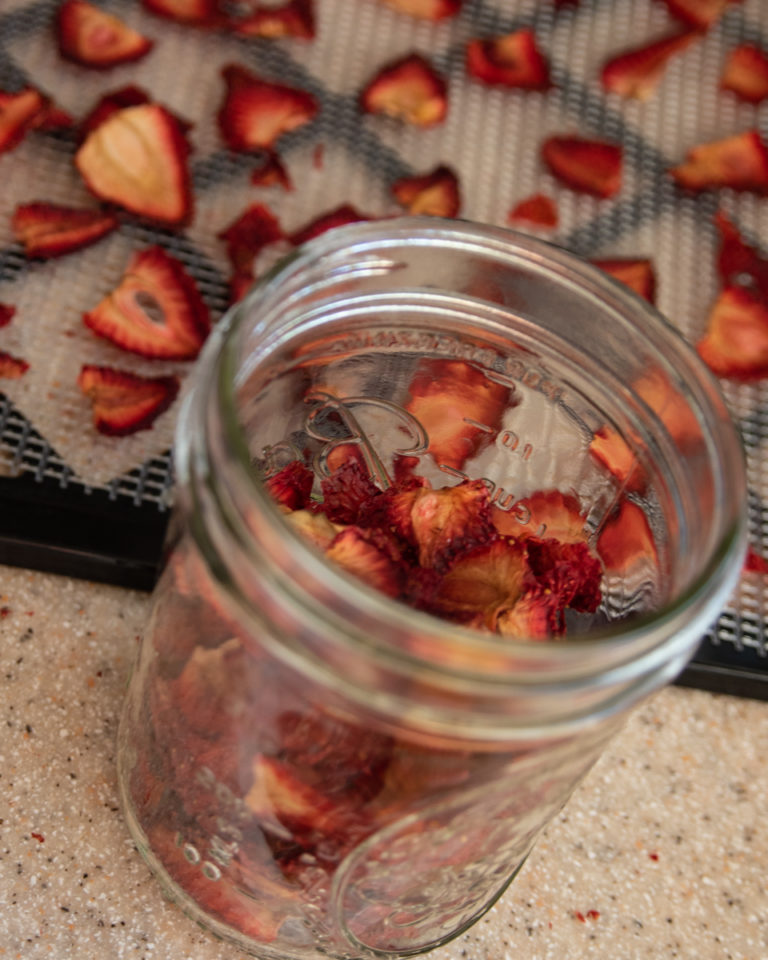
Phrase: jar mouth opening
pixel 676 623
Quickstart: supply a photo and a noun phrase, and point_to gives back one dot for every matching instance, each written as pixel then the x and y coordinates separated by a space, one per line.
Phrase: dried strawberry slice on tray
pixel 109 103
pixel 52 230
pixel 338 217
pixel 123 402
pixel 738 263
pixel 637 273
pixel 511 60
pixel 435 193
pixel 7 313
pixel 739 162
pixel 735 344
pixel 538 209
pixel 589 166
pixel 427 9
pixel 12 368
pixel 638 72
pixel 293 19
pixel 91 37
pixel 698 13
pixel 247 236
pixel 155 311
pixel 198 13
pixel 409 89
pixel 256 112
pixel 271 172
pixel 19 113
pixel 137 158
pixel 746 73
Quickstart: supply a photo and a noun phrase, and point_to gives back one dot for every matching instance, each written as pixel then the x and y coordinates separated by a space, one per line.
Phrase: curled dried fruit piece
pixel 19 113
pixel 51 230
pixel 448 521
pixel 409 89
pixel 512 60
pixel 12 368
pixel 736 342
pixel 359 553
pixel 638 72
pixel 156 310
pixel 7 313
pixel 427 9
pixel 256 112
pixel 435 193
pixel 739 162
pixel 199 13
pixel 94 38
pixel 746 73
pixel 636 273
pixel 296 18
pixel 698 13
pixel 545 513
pixel 590 166
pixel 271 172
pixel 626 540
pixel 137 158
pixel 247 236
pixel 568 571
pixel 291 487
pixel 338 217
pixel 123 402
pixel 739 264
pixel 538 209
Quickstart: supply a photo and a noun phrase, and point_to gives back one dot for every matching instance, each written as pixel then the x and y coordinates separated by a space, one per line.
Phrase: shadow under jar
pixel 313 768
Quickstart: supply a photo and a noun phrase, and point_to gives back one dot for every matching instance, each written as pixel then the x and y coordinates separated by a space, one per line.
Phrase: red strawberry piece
pixel 435 193
pixel 255 112
pixel 539 209
pixel 638 72
pixel 746 73
pixel 408 89
pixel 612 451
pixel 198 13
pixel 545 513
pixel 346 492
pixel 94 38
pixel 535 616
pixel 512 60
pixel 123 402
pixel 19 112
pixel 271 172
pixel 755 563
pixel 246 237
pixel 589 166
pixel 739 162
pixel 636 273
pixel 698 13
pixel 736 341
pixel 738 263
pixel 12 368
pixel 137 158
pixel 296 18
pixel 567 570
pixel 626 540
pixel 445 522
pixel 239 284
pixel 427 9
pixel 129 96
pixel 51 230
pixel 156 310
pixel 291 487
pixel 358 553
pixel 459 407
pixel 7 313
pixel 313 527
pixel 338 217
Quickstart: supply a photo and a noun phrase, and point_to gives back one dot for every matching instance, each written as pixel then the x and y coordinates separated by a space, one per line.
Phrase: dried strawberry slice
pixel 569 571
pixel 296 18
pixel 346 492
pixel 545 513
pixel 362 554
pixel 94 38
pixel 638 72
pixel 698 13
pixel 511 60
pixel 746 73
pixel 19 112
pixel 12 368
pixel 199 13
pixel 51 230
pixel 7 313
pixel 427 9
pixel 738 263
pixel 156 310
pixel 123 402
pixel 538 209
pixel 255 112
pixel 291 487
pixel 435 193
pixel 736 342
pixel 636 273
pixel 755 563
pixel 408 89
pixel 128 96
pixel 459 407
pixel 137 158
pixel 590 166
pixel 313 527
pixel 247 236
pixel 271 172
pixel 446 522
pixel 626 540
pixel 338 217
pixel 739 162
pixel 239 285
pixel 613 452
pixel 535 616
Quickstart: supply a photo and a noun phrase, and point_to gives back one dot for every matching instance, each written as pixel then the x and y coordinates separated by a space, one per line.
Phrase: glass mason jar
pixel 316 769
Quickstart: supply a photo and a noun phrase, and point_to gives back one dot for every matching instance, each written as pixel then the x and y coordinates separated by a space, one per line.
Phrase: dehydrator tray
pixel 75 502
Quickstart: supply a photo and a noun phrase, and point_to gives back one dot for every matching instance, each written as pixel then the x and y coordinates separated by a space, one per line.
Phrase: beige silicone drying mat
pixel 491 138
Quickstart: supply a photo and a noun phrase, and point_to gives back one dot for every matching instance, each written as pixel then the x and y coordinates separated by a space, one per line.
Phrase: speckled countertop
pixel 662 852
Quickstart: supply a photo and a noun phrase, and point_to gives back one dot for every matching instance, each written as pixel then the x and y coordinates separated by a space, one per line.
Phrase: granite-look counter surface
pixel 662 852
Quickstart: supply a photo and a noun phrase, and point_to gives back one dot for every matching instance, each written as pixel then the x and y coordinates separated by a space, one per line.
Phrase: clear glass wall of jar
pixel 313 769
